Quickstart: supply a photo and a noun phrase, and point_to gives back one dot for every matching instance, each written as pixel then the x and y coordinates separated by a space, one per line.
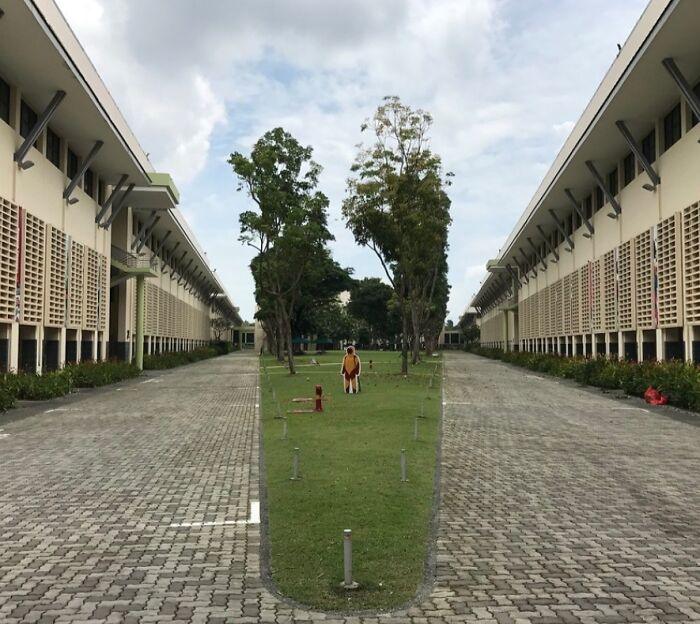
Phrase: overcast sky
pixel 504 79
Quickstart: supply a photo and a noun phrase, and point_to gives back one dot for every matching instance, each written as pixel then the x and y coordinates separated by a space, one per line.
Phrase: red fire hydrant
pixel 319 399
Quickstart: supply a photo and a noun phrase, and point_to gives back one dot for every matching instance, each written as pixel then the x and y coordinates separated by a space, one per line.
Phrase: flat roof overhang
pixel 637 90
pixel 40 54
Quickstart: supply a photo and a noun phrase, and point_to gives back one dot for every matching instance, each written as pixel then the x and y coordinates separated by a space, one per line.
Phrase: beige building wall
pixel 55 260
pixel 601 297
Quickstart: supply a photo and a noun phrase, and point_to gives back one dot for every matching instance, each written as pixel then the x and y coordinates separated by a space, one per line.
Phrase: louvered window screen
pixel 91 288
pixel 102 286
pixel 596 295
pixel 9 225
pixel 668 248
pixel 542 312
pixel 558 302
pixel 76 306
pixel 644 280
pixel 56 278
pixel 34 273
pixel 575 303
pixel 610 290
pixel 626 291
pixel 691 262
pixel 567 305
pixel 584 293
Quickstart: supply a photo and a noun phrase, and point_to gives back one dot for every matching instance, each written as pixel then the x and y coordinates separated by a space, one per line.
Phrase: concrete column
pixel 62 333
pixel 39 337
pixel 660 345
pixel 688 336
pixel 594 346
pixel 95 335
pixel 78 345
pixel 607 344
pixel 140 316
pixel 640 345
pixel 620 346
pixel 13 343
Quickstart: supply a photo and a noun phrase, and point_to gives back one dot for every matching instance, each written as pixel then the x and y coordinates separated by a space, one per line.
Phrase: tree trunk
pixel 404 341
pixel 290 348
pixel 279 343
pixel 416 334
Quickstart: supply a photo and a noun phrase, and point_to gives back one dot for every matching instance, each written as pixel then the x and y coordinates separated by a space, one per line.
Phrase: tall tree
pixel 396 206
pixel 288 228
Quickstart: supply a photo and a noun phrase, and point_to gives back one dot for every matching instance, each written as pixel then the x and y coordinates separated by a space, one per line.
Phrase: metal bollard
pixel 348 583
pixel 415 429
pixel 404 478
pixel 295 466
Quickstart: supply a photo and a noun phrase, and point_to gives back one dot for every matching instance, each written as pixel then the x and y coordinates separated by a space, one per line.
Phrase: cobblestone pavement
pixel 557 505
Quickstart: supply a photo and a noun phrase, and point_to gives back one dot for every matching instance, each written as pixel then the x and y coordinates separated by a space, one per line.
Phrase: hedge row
pixel 171 360
pixel 679 381
pixel 26 386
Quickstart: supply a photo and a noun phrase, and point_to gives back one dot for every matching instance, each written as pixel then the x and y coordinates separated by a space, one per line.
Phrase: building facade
pixel 97 261
pixel 606 257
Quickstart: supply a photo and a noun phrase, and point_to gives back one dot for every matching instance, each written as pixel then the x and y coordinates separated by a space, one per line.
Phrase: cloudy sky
pixel 504 79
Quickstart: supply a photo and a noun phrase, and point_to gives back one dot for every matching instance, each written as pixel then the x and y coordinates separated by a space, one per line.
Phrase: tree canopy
pixel 397 206
pixel 288 227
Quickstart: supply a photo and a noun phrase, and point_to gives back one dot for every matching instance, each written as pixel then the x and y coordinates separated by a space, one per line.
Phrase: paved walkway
pixel 558 505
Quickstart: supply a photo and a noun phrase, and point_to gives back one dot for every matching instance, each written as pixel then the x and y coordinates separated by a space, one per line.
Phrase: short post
pixel 295 465
pixel 319 399
pixel 284 429
pixel 348 583
pixel 404 478
pixel 415 429
pixel 422 408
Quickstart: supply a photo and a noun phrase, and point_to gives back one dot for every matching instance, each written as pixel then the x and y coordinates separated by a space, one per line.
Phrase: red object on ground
pixel 654 397
pixel 319 400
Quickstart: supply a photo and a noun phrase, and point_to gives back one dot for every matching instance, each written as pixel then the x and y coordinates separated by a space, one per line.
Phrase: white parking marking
pixel 253 519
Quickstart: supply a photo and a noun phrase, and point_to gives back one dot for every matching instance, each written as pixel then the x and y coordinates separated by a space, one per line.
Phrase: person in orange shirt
pixel 350 370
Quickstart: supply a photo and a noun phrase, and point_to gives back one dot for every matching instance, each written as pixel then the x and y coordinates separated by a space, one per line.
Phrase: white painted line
pixel 152 381
pixel 7 435
pixel 253 519
pixel 62 409
pixel 254 512
pixel 457 403
pixel 533 377
pixel 630 408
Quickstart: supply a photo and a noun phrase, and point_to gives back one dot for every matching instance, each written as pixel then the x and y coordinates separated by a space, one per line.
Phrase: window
pixel 89 182
pixel 577 221
pixel 649 146
pixel 27 120
pixel 570 229
pixel 693 118
pixel 72 164
pixel 53 147
pixel 628 169
pixel 588 207
pixel 100 191
pixel 4 101
pixel 599 198
pixel 672 127
pixel 612 182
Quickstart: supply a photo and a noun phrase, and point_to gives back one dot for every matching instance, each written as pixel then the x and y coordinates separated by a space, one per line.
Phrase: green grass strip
pixel 350 469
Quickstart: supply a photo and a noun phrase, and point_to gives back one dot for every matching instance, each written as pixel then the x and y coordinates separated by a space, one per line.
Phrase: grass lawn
pixel 350 479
